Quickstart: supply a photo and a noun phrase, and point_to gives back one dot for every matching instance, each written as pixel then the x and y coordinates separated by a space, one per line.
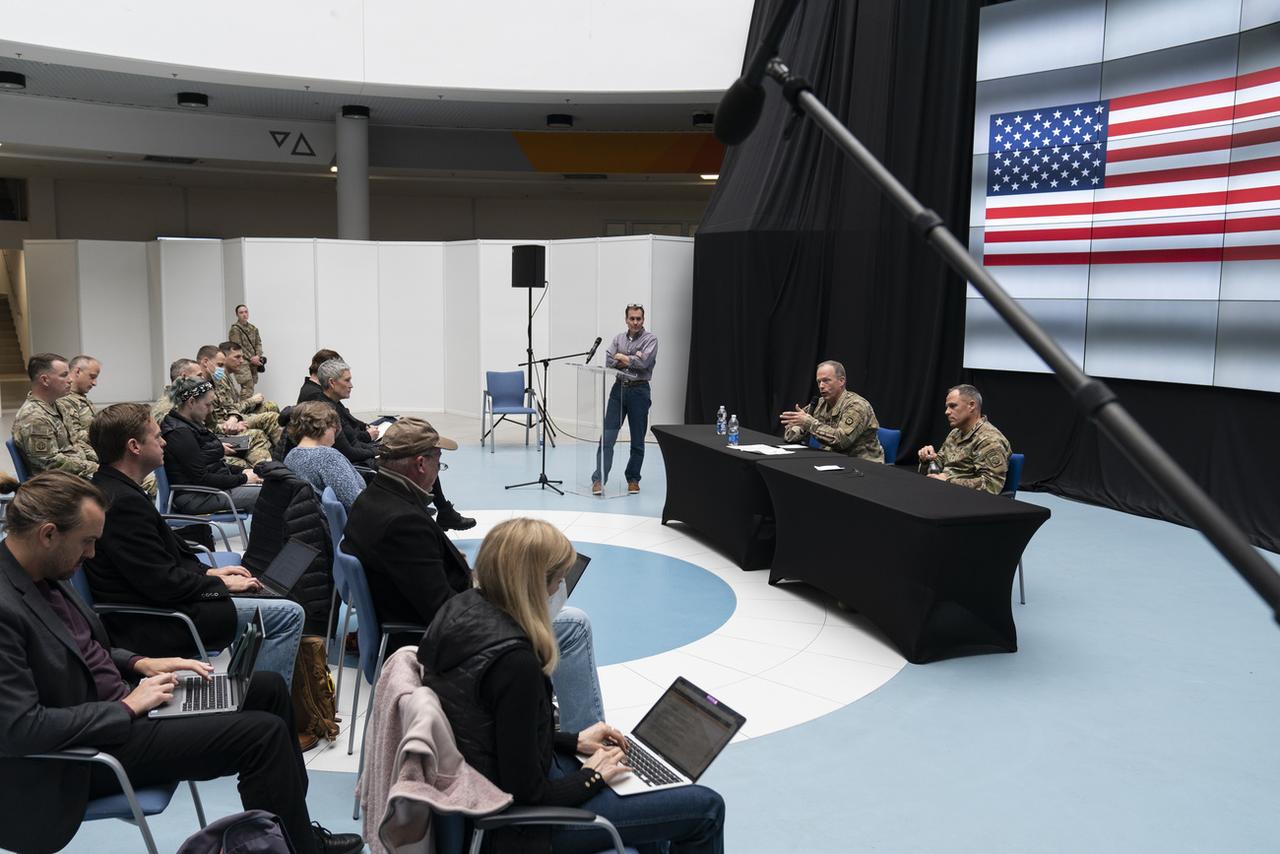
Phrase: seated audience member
pixel 356 441
pixel 227 416
pixel 312 426
pixel 195 454
pixel 140 561
pixel 75 406
pixel 842 421
pixel 487 656
pixel 414 568
pixel 259 449
pixel 974 454
pixel 311 389
pixel 67 686
pixel 235 363
pixel 39 431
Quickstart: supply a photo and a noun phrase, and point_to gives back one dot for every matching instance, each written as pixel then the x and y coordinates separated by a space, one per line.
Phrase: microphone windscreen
pixel 738 112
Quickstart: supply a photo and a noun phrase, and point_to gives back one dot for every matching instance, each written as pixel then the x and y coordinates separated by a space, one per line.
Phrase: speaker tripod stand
pixel 544 424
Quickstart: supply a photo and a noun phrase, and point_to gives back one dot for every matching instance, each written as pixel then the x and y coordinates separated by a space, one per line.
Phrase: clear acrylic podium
pixel 594 384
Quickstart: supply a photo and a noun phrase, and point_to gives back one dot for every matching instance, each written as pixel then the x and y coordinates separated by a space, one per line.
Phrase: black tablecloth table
pixel 718 492
pixel 932 564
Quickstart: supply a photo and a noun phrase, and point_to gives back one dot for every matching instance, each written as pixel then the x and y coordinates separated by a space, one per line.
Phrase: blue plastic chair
pixel 1012 480
pixel 889 440
pixel 336 515
pixel 164 503
pixel 19 461
pixel 80 583
pixel 505 395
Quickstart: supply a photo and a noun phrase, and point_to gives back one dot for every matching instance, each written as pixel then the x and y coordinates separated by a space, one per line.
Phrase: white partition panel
pixel 504 313
pixel 232 276
pixel 462 333
pixel 624 278
pixel 574 320
pixel 188 301
pixel 280 291
pixel 155 284
pixel 412 325
pixel 672 297
pixel 115 312
pixel 347 314
pixel 53 296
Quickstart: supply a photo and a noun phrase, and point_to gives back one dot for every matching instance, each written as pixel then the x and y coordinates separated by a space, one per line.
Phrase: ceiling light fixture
pixel 714 177
pixel 559 120
pixel 193 100
pixel 355 111
pixel 12 80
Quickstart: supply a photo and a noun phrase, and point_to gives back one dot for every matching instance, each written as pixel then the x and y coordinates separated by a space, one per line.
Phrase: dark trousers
pixel 260 744
pixel 631 402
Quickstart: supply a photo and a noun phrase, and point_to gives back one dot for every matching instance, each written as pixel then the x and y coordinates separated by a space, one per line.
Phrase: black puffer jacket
pixel 288 507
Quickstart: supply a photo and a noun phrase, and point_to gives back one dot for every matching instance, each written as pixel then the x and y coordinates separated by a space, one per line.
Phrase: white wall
pixel 347 315
pixel 280 292
pixel 411 327
pixel 461 332
pixel 574 319
pixel 53 296
pixel 115 317
pixel 188 301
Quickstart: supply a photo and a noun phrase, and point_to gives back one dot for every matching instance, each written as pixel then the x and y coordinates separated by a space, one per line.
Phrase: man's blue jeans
pixel 283 619
pixel 576 682
pixel 632 403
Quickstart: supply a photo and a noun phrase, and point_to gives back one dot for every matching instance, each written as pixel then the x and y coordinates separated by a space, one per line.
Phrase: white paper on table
pixel 795 447
pixel 828 468
pixel 766 450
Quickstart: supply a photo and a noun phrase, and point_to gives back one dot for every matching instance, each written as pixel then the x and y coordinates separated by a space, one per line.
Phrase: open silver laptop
pixel 222 692
pixel 677 739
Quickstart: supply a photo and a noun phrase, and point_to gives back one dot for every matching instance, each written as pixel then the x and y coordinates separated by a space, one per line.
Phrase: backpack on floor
pixel 315 710
pixel 252 832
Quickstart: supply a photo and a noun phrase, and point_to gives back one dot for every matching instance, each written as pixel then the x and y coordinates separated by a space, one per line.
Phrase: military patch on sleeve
pixel 993 458
pixel 42 445
pixel 848 421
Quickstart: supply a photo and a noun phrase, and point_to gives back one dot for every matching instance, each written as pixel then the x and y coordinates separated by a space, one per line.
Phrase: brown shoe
pixel 633 487
pixel 596 487
pixel 306 741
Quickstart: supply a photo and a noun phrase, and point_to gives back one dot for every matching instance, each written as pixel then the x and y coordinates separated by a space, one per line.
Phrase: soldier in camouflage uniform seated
pixel 259 446
pixel 39 430
pixel 77 411
pixel 227 418
pixel 974 454
pixel 249 403
pixel 841 421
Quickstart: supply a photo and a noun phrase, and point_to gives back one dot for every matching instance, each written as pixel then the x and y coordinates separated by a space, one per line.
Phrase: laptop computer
pixel 283 572
pixel 575 573
pixel 222 692
pixel 240 442
pixel 676 740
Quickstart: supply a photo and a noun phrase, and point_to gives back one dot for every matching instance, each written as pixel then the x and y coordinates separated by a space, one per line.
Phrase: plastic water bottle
pixel 720 422
pixel 733 429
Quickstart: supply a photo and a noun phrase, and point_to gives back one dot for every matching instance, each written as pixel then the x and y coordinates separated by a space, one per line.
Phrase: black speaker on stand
pixel 529 271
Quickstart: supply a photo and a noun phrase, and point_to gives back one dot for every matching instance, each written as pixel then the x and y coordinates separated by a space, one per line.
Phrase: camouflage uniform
pixel 978 459
pixel 259 447
pixel 246 335
pixel 263 405
pixel 849 427
pixel 227 405
pixel 45 440
pixel 77 413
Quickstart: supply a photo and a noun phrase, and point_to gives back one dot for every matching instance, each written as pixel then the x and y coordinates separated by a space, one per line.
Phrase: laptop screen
pixel 688 727
pixel 574 575
pixel 290 563
pixel 245 656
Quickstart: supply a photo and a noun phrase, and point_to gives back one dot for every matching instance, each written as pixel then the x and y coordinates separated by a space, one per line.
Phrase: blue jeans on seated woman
pixel 576 682
pixel 690 818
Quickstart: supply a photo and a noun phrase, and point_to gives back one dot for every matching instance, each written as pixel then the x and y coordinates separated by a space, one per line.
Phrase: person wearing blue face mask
pixel 228 417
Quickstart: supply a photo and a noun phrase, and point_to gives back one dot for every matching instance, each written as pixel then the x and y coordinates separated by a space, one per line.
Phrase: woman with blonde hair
pixel 488 654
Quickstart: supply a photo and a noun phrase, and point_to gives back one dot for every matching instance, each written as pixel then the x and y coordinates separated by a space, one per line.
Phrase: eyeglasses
pixel 635 305
pixel 436 458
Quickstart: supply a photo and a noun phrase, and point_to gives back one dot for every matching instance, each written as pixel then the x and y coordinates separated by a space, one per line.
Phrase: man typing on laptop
pixel 141 561
pixel 63 685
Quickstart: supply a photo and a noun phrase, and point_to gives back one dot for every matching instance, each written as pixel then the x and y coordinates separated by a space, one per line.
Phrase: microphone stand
pixel 543 482
pixel 1094 399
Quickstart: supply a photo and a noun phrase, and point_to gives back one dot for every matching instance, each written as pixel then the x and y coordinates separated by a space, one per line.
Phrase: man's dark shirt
pixel 106 678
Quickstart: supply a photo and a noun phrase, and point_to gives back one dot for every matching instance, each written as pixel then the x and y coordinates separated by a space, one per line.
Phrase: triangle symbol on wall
pixel 279 136
pixel 302 148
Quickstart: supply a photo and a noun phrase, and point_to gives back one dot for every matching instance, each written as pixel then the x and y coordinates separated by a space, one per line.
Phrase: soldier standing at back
pixel 841 421
pixel 39 430
pixel 974 454
pixel 77 411
pixel 245 334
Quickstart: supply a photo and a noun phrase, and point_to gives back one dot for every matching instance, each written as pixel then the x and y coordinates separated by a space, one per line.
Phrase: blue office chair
pixel 373 635
pixel 80 583
pixel 1012 480
pixel 19 461
pixel 164 503
pixel 889 440
pixel 131 805
pixel 505 395
pixel 336 515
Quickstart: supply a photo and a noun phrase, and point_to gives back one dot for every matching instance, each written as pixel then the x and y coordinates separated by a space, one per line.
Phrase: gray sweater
pixel 321 467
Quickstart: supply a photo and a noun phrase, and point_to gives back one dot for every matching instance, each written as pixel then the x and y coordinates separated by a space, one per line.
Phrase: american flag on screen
pixel 1186 174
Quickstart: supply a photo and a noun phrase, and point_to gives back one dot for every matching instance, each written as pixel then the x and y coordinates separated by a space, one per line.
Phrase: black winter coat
pixel 194 455
pixel 289 507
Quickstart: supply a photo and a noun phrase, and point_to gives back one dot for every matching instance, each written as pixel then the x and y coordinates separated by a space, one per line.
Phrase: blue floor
pixel 1137 716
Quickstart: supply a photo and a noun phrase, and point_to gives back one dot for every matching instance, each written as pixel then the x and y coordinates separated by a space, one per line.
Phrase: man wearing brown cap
pixel 413 568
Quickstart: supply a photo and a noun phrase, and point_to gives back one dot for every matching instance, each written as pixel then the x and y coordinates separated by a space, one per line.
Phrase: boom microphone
pixel 592 351
pixel 740 107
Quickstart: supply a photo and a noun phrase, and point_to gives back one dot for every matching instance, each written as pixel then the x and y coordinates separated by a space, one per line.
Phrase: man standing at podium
pixel 633 354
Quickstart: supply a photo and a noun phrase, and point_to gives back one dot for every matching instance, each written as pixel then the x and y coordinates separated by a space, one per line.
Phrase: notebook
pixel 283 572
pixel 222 692
pixel 676 740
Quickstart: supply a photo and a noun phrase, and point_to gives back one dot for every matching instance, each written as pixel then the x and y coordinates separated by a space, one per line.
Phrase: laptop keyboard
pixel 647 767
pixel 202 696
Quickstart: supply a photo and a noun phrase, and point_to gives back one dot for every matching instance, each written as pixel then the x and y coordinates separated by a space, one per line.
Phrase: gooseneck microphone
pixel 592 351
pixel 739 109
pixel 813 407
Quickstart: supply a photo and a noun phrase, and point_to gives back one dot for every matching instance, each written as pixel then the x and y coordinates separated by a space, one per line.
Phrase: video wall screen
pixel 1126 186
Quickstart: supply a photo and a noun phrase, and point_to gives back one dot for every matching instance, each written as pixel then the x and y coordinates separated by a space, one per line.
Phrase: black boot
pixel 328 842
pixel 450 519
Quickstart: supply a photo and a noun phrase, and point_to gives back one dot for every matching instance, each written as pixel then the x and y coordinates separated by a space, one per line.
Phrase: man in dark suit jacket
pixel 63 685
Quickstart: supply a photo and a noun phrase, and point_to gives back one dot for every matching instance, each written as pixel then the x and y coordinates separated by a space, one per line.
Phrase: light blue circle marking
pixel 643 603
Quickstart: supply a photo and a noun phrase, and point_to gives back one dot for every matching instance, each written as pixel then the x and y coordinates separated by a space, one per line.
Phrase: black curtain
pixel 800 259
